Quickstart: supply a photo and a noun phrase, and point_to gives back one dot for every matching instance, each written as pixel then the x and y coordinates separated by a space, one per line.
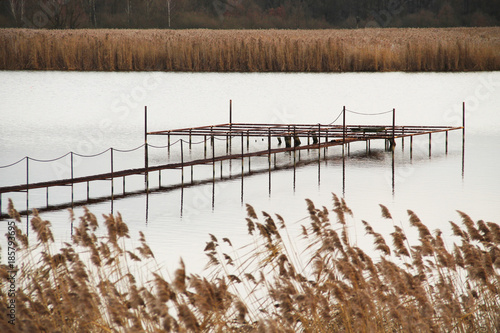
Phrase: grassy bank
pixel 98 284
pixel 453 49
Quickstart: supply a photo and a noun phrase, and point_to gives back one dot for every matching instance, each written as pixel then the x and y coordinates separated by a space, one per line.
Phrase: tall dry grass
pixel 96 284
pixel 453 49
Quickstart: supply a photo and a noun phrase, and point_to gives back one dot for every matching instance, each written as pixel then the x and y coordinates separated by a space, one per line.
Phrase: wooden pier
pixel 281 138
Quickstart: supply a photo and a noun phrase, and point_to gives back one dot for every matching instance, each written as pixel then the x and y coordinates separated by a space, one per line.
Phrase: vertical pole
pixel 403 138
pixel 430 144
pixel 248 140
pixel 343 130
pixel 242 159
pixel 159 178
pixel 46 196
pixel 294 153
pixel 146 158
pixel 205 147
pixel 463 120
pixel 269 149
pixel 319 142
pixel 123 184
pixel 213 158
pixel 446 143
pixel 230 111
pixel 72 174
pixel 27 194
pixel 168 143
pixel 112 174
pixel 190 140
pixel 326 141
pixel 192 180
pixel 393 143
pixel 411 147
pixel 182 161
pixel 88 191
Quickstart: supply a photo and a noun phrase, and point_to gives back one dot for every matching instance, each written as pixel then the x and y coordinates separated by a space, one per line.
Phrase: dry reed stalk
pixel 93 285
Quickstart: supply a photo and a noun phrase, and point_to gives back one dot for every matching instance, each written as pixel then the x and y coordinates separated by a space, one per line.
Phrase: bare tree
pixel 17 10
pixel 89 6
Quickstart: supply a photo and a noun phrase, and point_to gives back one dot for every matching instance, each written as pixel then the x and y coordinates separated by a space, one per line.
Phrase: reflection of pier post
pixel 242 166
pixel 343 176
pixel 463 139
pixel 269 157
pixel 393 165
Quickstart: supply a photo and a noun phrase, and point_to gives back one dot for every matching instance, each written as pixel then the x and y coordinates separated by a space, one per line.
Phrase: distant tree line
pixel 59 14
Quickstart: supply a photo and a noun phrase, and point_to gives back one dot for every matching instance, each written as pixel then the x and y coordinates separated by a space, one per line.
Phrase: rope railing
pixel 337 117
pixel 49 160
pixel 369 114
pixel 93 155
pixel 12 164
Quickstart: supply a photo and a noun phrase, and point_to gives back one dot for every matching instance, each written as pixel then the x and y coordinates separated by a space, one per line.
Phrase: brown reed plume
pixel 446 49
pixel 320 282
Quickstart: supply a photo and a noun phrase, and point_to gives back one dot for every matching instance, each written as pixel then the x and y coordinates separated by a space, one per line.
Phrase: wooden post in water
pixel 168 144
pixel 393 143
pixel 205 147
pixel 112 178
pixel 123 184
pixel 269 149
pixel 294 153
pixel 27 193
pixel 446 142
pixel 411 147
pixel 403 138
pixel 213 158
pixel 72 174
pixel 146 158
pixel 182 163
pixel 88 191
pixel 46 197
pixel 190 140
pixel 343 130
pixel 242 159
pixel 430 144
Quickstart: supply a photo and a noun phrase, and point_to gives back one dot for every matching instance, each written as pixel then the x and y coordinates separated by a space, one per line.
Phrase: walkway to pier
pixel 280 138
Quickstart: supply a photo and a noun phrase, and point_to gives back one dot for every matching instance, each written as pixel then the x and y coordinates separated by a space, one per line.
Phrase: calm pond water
pixel 47 114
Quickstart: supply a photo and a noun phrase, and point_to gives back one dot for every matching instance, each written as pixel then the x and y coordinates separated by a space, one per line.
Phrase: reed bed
pixel 450 49
pixel 96 284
